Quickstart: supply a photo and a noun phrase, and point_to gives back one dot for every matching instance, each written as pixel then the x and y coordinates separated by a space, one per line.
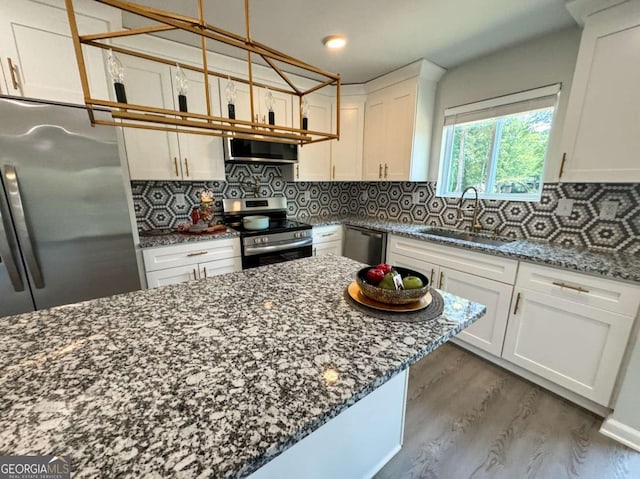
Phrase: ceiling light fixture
pixel 334 42
pixel 132 115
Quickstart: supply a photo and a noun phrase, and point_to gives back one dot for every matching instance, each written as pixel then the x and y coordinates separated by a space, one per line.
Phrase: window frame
pixel 489 105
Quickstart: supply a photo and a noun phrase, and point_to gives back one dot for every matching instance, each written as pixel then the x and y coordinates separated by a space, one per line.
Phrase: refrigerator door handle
pixel 7 257
pixel 22 231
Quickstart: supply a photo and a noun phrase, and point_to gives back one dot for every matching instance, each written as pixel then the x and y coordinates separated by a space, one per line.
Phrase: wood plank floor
pixel 467 418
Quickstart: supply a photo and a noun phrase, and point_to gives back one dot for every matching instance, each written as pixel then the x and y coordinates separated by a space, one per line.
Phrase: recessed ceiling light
pixel 334 42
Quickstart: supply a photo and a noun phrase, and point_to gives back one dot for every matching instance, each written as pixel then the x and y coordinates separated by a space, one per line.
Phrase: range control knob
pixel 256 241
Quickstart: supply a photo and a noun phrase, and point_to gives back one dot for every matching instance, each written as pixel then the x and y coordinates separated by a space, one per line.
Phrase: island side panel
pixel 357 443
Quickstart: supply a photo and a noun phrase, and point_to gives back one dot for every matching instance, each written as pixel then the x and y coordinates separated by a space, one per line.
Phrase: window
pixel 498 146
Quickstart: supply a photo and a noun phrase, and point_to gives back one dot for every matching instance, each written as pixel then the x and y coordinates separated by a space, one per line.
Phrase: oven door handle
pixel 279 247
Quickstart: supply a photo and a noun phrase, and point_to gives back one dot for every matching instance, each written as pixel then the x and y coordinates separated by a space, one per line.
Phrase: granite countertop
pixel 179 238
pixel 211 378
pixel 617 266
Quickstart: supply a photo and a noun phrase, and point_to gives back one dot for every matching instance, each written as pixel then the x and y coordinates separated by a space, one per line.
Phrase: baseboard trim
pixel 622 433
pixel 384 461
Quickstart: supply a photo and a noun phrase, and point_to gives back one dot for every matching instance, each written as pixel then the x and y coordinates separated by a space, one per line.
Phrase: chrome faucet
pixel 475 226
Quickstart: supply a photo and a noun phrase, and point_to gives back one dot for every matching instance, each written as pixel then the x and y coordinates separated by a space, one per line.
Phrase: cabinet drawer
pixel 185 254
pixel 322 234
pixel 484 265
pixel 614 296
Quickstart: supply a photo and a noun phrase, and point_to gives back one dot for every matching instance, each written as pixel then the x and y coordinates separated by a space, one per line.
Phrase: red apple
pixel 384 267
pixel 375 275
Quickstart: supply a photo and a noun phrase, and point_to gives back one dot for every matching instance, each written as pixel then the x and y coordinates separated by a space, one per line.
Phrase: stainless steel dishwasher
pixel 365 245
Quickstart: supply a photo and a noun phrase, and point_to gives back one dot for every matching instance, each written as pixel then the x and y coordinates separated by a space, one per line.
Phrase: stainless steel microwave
pixel 237 150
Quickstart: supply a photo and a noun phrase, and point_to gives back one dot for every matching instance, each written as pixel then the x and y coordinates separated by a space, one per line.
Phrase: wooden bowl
pixel 391 296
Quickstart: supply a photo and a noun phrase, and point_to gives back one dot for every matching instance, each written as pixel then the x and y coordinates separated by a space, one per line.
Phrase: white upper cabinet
pixel 167 155
pixel 314 161
pixel 346 153
pixel 601 137
pixel 152 155
pixel 398 122
pixel 282 105
pixel 201 155
pixel 37 54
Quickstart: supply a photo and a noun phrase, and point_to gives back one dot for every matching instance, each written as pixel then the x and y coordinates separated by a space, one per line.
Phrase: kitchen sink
pixel 467 236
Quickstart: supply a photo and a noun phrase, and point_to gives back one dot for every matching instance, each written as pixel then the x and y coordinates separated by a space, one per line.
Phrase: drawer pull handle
pixel 440 281
pixel 568 286
pixel 515 308
pixel 326 235
pixel 199 253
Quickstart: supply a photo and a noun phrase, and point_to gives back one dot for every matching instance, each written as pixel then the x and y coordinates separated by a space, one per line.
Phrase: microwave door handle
pixel 7 256
pixel 22 230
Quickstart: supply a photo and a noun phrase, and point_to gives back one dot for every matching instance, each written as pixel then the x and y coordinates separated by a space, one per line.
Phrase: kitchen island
pixel 211 378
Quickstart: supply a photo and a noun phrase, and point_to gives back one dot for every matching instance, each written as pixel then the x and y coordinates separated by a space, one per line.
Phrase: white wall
pixel 543 61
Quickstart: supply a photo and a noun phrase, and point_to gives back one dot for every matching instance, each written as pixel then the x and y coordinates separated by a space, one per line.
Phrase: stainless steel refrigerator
pixel 65 230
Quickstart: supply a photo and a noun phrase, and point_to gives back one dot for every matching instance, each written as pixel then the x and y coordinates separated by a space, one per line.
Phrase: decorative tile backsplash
pixel 159 204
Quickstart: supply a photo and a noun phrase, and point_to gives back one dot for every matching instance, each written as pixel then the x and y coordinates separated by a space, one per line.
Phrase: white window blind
pixel 530 100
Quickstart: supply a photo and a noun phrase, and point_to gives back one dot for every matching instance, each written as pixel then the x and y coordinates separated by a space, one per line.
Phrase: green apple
pixel 387 281
pixel 412 282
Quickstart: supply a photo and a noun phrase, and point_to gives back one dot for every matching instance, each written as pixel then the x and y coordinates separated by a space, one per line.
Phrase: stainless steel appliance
pixel 282 240
pixel 65 233
pixel 365 245
pixel 238 150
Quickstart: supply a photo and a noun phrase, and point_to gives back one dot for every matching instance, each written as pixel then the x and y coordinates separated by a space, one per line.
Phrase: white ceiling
pixel 382 35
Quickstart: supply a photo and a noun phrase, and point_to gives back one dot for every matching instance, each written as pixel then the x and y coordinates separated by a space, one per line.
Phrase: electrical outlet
pixel 307 195
pixel 608 210
pixel 180 200
pixel 418 197
pixel 565 206
pixel 364 196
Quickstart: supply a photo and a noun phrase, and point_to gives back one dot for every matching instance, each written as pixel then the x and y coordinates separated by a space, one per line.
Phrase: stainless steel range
pixel 282 240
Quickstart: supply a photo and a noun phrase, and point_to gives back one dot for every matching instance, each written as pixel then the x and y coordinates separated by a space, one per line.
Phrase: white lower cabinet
pixel 488 332
pixel 556 328
pixel 556 332
pixel 439 262
pixel 327 239
pixel 175 264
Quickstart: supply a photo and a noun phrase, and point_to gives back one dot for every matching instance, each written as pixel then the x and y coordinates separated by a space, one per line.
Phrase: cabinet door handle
pixel 199 253
pixel 204 269
pixel 14 76
pixel 579 289
pixel 256 118
pixel 431 277
pixel 515 308
pixel 386 170
pixel 334 172
pixel 195 274
pixel 186 165
pixel 564 159
pixel 380 171
pixel 175 164
pixel 297 172
pixel 440 281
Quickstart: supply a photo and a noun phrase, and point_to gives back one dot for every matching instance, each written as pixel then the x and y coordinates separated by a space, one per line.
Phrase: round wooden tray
pixel 356 294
